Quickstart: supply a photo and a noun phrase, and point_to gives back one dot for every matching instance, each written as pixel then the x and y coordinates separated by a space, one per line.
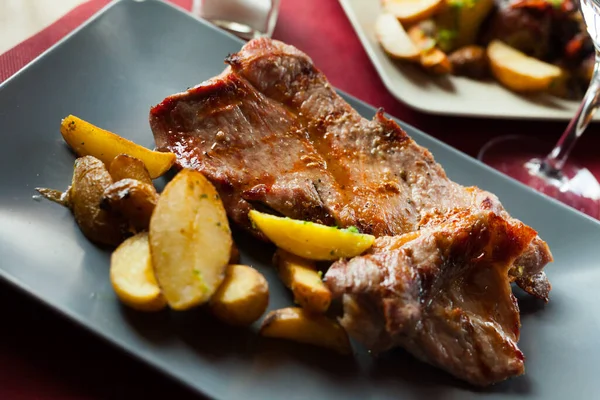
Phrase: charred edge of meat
pixel 392 131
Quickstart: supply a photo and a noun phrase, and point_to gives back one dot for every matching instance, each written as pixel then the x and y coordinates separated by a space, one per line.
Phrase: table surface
pixel 44 356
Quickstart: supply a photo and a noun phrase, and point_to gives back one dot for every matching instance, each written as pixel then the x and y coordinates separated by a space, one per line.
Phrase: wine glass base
pixel 522 158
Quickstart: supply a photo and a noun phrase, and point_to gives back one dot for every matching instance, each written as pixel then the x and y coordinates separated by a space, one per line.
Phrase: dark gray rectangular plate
pixel 110 72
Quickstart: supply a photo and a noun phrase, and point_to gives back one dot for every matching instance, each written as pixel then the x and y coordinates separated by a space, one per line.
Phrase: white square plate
pixel 448 95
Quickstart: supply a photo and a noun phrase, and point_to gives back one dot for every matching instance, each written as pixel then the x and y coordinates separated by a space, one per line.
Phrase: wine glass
pixel 554 174
pixel 247 19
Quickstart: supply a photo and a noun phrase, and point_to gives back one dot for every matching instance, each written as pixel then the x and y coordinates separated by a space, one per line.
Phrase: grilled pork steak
pixel 270 132
pixel 440 292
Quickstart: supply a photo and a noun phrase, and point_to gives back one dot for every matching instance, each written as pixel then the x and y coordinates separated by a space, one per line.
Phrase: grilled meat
pixel 442 293
pixel 271 133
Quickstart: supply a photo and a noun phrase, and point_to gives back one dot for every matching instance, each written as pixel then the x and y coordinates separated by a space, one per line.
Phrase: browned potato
pixel 301 276
pixel 84 197
pixel 297 324
pixel 190 240
pixel 90 180
pixel 436 62
pixel 125 166
pixel 242 297
pixel 470 61
pixel 133 200
pixel 432 59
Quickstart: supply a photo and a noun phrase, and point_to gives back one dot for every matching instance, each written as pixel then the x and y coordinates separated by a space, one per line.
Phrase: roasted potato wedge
pixel 242 297
pixel 411 11
pixel 310 240
pixel 436 62
pixel 470 61
pixel 84 198
pixel 87 139
pixel 302 278
pixel 519 72
pixel 125 166
pixel 90 180
pixel 190 240
pixel 394 40
pixel 132 276
pixel 299 325
pixel 133 200
pixel 432 59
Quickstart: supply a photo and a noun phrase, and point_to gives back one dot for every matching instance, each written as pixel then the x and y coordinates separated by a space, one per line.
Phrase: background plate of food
pixel 516 59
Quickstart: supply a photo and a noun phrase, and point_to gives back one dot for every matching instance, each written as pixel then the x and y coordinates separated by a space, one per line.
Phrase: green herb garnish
pixel 445 37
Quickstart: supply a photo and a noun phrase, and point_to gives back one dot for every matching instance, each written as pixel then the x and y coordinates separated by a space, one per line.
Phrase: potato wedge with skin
pixel 133 200
pixel 302 278
pixel 299 325
pixel 132 276
pixel 243 296
pixel 519 72
pixel 394 40
pixel 432 59
pixel 125 166
pixel 411 11
pixel 87 139
pixel 190 240
pixel 310 240
pixel 436 62
pixel 90 180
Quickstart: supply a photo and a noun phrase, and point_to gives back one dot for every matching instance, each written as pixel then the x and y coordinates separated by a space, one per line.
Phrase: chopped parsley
pixel 353 229
pixel 462 3
pixel 445 37
pixel 202 283
pixel 204 196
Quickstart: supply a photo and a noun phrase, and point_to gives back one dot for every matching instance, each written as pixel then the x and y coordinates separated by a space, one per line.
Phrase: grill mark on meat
pixel 270 133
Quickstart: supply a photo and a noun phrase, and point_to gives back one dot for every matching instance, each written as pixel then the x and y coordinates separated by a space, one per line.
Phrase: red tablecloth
pixel 43 356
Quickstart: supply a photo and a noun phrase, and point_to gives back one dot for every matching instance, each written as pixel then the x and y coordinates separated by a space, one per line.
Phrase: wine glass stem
pixel 555 161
